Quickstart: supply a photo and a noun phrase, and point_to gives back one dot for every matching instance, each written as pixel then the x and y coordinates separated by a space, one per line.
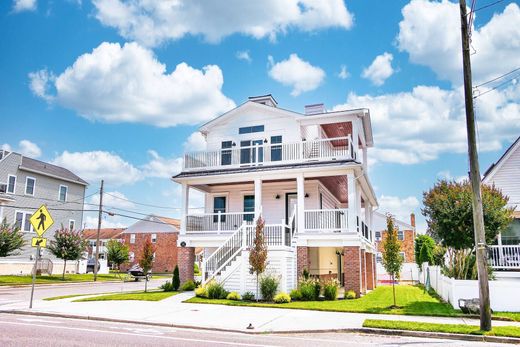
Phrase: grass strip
pixel 139 296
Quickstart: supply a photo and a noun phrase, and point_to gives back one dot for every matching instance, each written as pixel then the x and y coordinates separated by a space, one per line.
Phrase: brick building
pixel 162 232
pixel 105 235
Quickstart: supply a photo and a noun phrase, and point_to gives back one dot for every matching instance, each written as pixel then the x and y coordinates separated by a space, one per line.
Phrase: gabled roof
pixel 43 168
pixel 490 172
pixel 104 234
pixel 154 224
pixel 380 217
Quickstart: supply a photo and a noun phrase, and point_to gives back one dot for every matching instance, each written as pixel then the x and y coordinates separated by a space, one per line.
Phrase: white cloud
pixel 430 34
pixel 401 208
pixel 297 73
pixel 380 69
pixel 154 22
pixel 128 84
pixel 446 174
pixel 25 147
pixel 244 55
pixel 343 73
pixel 106 222
pixel 161 167
pixel 417 126
pixel 24 5
pixel 97 165
pixel 195 142
pixel 113 199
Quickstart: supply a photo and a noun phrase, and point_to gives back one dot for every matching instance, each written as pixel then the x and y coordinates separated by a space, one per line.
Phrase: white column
pixel 368 218
pixel 300 190
pixel 352 202
pixel 258 197
pixel 355 138
pixel 1 213
pixel 185 205
pixel 365 159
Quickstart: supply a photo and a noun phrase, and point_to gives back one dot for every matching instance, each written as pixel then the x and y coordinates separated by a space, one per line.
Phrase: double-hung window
pixel 62 194
pixel 400 235
pixel 225 154
pixel 219 205
pixel 21 221
pixel 132 238
pixel 11 184
pixel 251 129
pixel 154 238
pixel 30 185
pixel 72 224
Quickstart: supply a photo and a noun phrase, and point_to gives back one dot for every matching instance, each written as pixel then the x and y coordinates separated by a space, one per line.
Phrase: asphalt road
pixel 10 295
pixel 21 330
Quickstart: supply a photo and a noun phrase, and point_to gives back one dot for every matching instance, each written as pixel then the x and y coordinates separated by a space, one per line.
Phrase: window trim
pixel 226 207
pixel 73 223
pixel 66 193
pixel 132 239
pixel 34 185
pixel 14 185
pixel 25 215
pixel 152 238
pixel 402 233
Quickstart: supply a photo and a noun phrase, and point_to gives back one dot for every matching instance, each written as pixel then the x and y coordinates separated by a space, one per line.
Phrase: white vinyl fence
pixel 503 293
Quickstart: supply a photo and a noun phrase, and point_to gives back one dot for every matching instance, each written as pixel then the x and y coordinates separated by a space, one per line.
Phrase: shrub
pixel 310 289
pixel 331 289
pixel 350 295
pixel 296 295
pixel 188 286
pixel 268 287
pixel 167 286
pixel 282 298
pixel 233 296
pixel 201 292
pixel 248 296
pixel 215 290
pixel 196 269
pixel 176 282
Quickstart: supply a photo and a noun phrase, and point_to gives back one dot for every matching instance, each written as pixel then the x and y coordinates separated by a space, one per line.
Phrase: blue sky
pixel 97 86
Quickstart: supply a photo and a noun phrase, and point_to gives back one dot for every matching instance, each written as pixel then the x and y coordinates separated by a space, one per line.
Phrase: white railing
pixel 272 154
pixel 217 222
pixel 504 257
pixel 333 220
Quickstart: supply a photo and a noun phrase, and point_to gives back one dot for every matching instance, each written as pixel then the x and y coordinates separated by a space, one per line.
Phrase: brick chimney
pixel 412 219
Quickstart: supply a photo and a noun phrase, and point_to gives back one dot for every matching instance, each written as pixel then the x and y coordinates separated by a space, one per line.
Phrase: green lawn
pixel 412 301
pixel 27 279
pixel 515 316
pixel 141 296
pixel 509 331
pixel 63 297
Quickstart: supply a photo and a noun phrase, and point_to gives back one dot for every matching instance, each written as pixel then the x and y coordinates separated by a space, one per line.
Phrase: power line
pixel 50 208
pixel 139 219
pixel 497 78
pixel 496 87
pixel 143 204
pixel 486 6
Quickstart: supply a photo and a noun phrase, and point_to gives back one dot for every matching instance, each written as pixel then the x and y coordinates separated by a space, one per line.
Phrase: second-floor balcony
pixel 268 154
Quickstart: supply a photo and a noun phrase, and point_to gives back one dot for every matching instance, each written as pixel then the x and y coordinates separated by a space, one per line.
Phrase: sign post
pixel 41 220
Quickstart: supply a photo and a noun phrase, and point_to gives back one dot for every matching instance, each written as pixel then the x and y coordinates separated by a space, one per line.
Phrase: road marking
pixel 59 327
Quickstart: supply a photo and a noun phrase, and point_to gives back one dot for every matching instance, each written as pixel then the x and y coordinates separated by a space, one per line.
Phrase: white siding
pixel 507 177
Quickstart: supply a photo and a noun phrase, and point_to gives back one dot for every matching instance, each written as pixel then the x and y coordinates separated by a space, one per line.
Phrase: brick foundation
pixel 352 268
pixel 363 272
pixel 185 260
pixel 302 260
pixel 370 270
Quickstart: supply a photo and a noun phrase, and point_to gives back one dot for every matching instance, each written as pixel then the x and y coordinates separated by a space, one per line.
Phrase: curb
pixel 65 284
pixel 374 331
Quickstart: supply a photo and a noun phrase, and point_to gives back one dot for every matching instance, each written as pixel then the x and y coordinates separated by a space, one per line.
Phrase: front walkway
pixel 173 311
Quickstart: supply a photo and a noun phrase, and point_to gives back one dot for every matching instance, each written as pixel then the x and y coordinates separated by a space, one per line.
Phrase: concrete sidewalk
pixel 174 312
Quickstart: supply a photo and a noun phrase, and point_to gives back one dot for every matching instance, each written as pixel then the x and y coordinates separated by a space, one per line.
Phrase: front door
pixel 290 204
pixel 249 206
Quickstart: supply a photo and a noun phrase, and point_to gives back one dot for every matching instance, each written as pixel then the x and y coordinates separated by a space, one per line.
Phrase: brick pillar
pixel 185 261
pixel 374 264
pixel 352 268
pixel 370 270
pixel 302 260
pixel 363 272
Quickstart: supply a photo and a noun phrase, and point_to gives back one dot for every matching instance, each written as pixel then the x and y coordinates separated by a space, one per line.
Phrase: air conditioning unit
pixel 3 188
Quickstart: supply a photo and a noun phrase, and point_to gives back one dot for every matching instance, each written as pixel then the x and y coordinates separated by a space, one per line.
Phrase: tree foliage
pixel 392 260
pixel 146 259
pixel 176 280
pixel 11 239
pixel 117 252
pixel 449 213
pixel 258 253
pixel 67 245
pixel 426 255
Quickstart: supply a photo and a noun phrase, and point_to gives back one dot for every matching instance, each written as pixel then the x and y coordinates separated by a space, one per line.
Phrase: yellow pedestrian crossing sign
pixel 39 241
pixel 41 220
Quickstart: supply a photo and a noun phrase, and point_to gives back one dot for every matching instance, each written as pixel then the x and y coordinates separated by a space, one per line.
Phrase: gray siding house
pixel 26 184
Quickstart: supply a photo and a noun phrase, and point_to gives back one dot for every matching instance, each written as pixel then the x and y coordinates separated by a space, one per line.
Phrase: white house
pixel 305 174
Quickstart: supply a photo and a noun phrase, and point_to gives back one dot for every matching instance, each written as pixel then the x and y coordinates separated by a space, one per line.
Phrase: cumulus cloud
pixel 418 126
pixel 154 22
pixel 127 83
pixel 195 142
pixel 430 34
pixel 380 69
pixel 96 165
pixel 161 167
pixel 113 199
pixel 25 147
pixel 91 221
pixel 24 5
pixel 446 174
pixel 296 73
pixel 401 208
pixel 343 73
pixel 244 55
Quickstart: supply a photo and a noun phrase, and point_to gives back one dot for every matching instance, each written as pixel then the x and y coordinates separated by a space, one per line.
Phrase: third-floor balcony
pixel 269 154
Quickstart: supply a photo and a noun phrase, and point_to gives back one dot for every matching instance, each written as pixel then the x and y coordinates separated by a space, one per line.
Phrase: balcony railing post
pixel 219 219
pixel 283 232
pixel 244 234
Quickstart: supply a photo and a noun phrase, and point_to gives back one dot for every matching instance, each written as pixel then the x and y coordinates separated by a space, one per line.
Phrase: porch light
pixel 306 195
pixel 265 140
pixel 233 144
pixel 277 197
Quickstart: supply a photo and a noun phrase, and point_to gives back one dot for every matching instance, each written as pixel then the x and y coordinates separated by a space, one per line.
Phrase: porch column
pixel 302 261
pixel 352 268
pixel 185 194
pixel 370 270
pixel 368 219
pixel 355 138
pixel 300 190
pixel 365 159
pixel 363 272
pixel 186 261
pixel 352 202
pixel 1 212
pixel 258 197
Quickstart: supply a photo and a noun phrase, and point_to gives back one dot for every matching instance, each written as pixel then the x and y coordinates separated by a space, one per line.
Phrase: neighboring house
pixel 505 175
pixel 163 233
pixel 305 174
pixel 29 183
pixel 406 234
pixel 105 235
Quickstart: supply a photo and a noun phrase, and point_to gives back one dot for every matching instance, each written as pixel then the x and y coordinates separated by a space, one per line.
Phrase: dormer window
pixel 251 129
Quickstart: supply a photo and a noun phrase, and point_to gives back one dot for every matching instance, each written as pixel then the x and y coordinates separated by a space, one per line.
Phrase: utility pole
pixel 98 230
pixel 474 175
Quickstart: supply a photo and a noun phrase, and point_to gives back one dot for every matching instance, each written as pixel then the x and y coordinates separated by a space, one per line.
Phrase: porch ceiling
pixel 337 129
pixel 337 185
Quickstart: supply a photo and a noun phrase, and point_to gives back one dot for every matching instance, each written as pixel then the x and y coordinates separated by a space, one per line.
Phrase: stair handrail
pixel 228 251
pixel 292 221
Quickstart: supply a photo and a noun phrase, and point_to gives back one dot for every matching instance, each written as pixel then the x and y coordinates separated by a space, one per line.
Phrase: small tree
pixel 392 260
pixel 176 281
pixel 117 252
pixel 258 253
pixel 67 245
pixel 146 260
pixel 424 241
pixel 11 239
